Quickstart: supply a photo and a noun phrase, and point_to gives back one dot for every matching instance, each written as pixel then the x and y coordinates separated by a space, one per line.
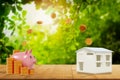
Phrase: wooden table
pixel 60 72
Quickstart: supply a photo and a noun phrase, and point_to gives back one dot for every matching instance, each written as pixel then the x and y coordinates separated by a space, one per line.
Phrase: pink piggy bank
pixel 26 58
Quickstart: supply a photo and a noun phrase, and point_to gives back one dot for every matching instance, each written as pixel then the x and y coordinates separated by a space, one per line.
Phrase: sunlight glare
pixel 34 15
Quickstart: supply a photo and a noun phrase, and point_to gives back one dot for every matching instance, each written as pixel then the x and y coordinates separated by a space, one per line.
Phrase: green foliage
pixel 6 7
pixel 101 18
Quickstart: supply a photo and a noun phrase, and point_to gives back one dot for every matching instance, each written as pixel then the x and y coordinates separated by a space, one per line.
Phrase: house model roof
pixel 94 49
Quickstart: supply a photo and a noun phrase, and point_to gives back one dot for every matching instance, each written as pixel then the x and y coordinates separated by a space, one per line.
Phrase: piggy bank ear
pixel 30 51
pixel 26 52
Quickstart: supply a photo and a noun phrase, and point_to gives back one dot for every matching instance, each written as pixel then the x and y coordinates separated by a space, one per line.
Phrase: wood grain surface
pixel 60 72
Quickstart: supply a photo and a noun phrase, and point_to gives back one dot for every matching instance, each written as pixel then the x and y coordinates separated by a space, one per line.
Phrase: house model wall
pixel 94 60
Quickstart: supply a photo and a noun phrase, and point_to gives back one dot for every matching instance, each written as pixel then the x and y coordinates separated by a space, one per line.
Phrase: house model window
pixel 98 64
pixel 107 57
pixel 81 65
pixel 98 57
pixel 107 64
pixel 89 53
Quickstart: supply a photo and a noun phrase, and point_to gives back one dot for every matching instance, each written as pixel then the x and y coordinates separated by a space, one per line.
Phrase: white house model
pixel 94 60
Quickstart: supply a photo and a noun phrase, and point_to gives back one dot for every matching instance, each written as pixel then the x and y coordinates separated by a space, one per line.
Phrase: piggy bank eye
pixel 30 56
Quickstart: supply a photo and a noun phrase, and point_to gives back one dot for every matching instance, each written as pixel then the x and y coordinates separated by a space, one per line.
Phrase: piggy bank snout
pixel 34 61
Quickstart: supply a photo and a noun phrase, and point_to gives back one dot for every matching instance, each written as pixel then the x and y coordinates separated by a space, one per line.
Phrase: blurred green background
pixel 55 29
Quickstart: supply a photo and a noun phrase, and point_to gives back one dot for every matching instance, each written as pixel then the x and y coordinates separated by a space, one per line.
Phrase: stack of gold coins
pixel 31 71
pixel 10 66
pixel 24 70
pixel 17 66
pixel 20 65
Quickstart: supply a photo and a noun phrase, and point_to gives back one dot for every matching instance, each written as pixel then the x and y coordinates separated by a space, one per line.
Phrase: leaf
pixel 14 17
pixel 83 6
pixel 0 46
pixel 13 9
pixel 11 27
pixel 6 39
pixel 73 47
pixel 77 1
pixel 13 31
pixel 2 35
pixel 7 9
pixel 24 13
pixel 19 8
pixel 9 48
pixel 27 26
